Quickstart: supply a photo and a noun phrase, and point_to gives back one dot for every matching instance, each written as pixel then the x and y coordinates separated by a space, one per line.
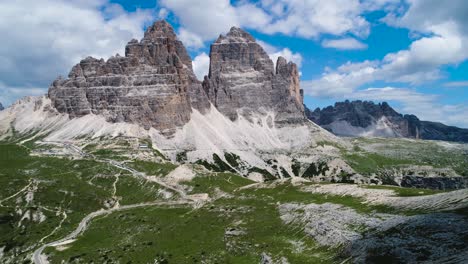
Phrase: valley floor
pixel 80 205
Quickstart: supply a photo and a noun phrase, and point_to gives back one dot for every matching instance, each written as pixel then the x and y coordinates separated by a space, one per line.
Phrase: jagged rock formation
pixel 242 80
pixel 364 118
pixel 153 85
pixel 1 107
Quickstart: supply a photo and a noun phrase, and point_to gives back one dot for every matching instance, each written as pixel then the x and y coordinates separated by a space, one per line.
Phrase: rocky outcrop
pixel 153 85
pixel 364 118
pixel 1 107
pixel 242 80
pixel 437 183
pixel 437 131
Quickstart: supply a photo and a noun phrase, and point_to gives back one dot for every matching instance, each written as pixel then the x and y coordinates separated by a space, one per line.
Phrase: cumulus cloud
pixel 404 95
pixel 190 39
pixel 441 39
pixel 307 19
pixel 205 20
pixel 201 65
pixel 443 42
pixel 312 18
pixel 274 53
pixel 55 34
pixel 344 44
pixel 342 81
pixel 456 84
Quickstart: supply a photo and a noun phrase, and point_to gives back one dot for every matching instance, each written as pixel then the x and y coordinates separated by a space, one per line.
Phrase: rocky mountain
pixel 245 108
pixel 1 107
pixel 153 85
pixel 242 80
pixel 364 118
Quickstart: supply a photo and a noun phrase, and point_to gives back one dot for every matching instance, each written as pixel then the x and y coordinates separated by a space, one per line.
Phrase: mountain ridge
pixel 366 118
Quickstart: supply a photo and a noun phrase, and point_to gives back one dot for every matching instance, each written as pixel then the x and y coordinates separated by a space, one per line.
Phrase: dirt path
pixel 38 258
pixel 31 181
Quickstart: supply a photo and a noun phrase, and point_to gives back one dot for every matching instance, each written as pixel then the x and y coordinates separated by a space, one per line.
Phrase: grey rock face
pixel 382 238
pixel 431 238
pixel 1 107
pixel 364 114
pixel 438 131
pixel 153 85
pixel 361 114
pixel 438 183
pixel 242 80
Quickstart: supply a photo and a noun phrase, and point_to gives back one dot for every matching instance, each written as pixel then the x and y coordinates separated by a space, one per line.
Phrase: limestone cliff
pixel 153 85
pixel 242 80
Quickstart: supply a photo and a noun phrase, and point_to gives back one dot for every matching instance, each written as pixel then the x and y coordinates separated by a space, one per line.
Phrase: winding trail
pixel 31 181
pixel 37 256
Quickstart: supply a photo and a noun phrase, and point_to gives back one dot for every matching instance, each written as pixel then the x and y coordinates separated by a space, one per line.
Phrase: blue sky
pixel 411 53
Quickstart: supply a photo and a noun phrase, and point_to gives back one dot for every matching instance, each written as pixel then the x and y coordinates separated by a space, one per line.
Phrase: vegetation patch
pixel 405 192
pixel 152 168
pixel 232 159
pixel 315 170
pixel 368 163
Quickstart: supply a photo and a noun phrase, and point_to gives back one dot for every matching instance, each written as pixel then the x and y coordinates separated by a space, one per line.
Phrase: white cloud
pixel 418 64
pixel 443 41
pixel 288 55
pixel 308 19
pixel 403 95
pixel 205 20
pixel 312 18
pixel 201 65
pixel 10 94
pixel 44 38
pixel 190 39
pixel 456 84
pixel 346 79
pixel 344 44
pixel 274 53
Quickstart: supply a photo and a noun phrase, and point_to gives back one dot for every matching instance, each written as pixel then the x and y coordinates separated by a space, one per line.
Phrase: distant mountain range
pixel 366 118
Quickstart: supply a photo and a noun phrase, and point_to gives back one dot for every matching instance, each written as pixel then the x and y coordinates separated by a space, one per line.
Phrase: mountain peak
pixel 160 29
pixel 236 34
pixel 242 69
pixel 153 85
